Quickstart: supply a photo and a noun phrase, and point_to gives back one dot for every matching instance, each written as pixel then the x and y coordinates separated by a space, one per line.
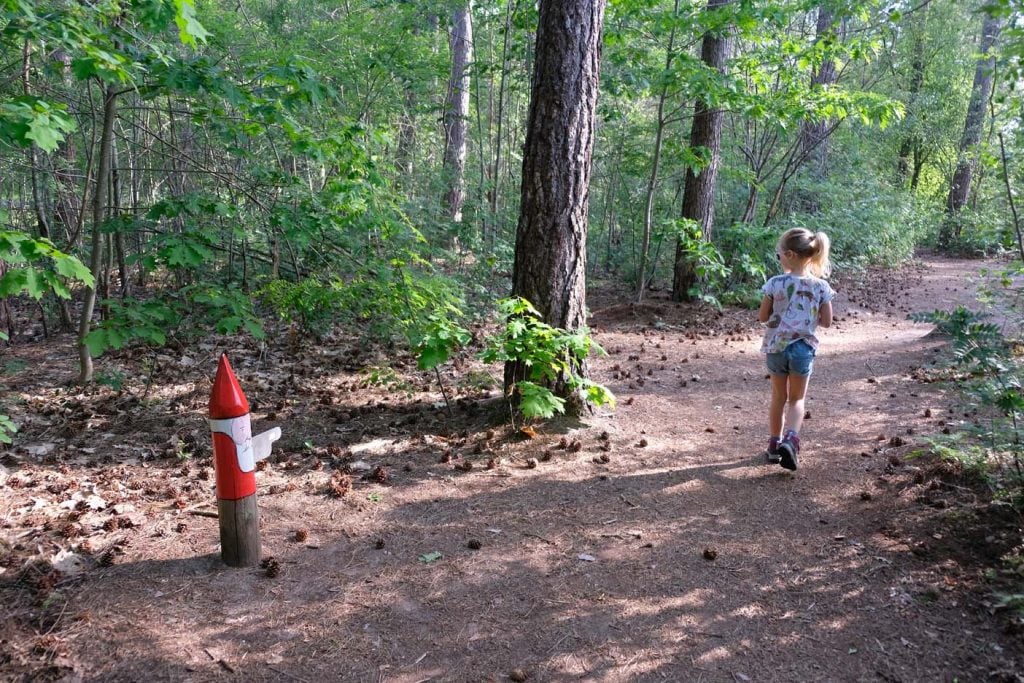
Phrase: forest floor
pixel 645 544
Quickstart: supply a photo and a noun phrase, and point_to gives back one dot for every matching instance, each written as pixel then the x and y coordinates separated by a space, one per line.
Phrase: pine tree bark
pixel 551 237
pixel 456 110
pixel 699 190
pixel 973 124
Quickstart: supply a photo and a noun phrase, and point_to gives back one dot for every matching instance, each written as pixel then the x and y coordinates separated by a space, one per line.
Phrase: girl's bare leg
pixel 777 405
pixel 795 401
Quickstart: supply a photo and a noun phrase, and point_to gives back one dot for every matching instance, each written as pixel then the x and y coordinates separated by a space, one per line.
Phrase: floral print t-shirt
pixel 795 305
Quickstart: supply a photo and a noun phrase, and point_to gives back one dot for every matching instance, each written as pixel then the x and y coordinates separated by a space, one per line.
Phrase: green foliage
pixel 975 342
pixel 188 313
pixel 995 382
pixel 549 355
pixel 436 340
pixel 310 303
pixel 132 321
pixel 100 39
pixel 40 267
pixel 538 401
pixel 978 233
pixel 705 259
pixel 228 310
pixel 28 121
pixel 7 428
pixel 869 223
pixel 114 379
pixel 750 252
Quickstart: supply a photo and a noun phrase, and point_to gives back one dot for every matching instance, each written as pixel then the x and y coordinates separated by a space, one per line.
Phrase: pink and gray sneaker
pixel 789 451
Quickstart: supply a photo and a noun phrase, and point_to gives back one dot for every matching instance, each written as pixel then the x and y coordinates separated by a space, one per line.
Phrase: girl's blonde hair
pixel 809 245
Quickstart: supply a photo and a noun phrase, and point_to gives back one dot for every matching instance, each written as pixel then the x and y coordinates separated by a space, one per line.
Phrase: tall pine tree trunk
pixel 974 123
pixel 699 191
pixel 456 111
pixel 551 238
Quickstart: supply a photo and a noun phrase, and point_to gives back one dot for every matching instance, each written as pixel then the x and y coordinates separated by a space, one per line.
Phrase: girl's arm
pixel 765 311
pixel 825 314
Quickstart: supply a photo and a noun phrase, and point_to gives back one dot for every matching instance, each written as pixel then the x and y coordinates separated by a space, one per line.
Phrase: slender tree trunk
pixel 551 239
pixel 118 237
pixel 973 125
pixel 814 133
pixel 98 211
pixel 915 176
pixel 496 175
pixel 750 208
pixel 456 111
pixel 1009 198
pixel 652 181
pixel 912 142
pixel 699 190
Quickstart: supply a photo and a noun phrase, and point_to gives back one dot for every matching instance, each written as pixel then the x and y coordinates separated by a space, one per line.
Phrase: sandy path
pixel 599 571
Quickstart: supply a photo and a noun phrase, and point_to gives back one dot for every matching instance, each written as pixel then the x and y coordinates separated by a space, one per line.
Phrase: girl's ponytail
pixel 820 265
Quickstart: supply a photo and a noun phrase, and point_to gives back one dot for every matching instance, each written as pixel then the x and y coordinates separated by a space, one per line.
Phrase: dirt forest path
pixel 672 553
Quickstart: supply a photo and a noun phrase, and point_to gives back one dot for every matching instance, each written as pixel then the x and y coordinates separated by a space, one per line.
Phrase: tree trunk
pixel 456 111
pixel 814 133
pixel 652 181
pixel 919 159
pixel 551 238
pixel 699 191
pixel 912 142
pixel 65 162
pixel 495 192
pixel 99 204
pixel 973 124
pixel 750 208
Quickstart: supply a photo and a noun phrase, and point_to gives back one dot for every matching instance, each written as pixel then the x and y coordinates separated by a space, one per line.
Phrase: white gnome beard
pixel 240 431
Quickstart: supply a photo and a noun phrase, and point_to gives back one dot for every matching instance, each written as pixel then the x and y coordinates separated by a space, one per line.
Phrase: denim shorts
pixel 796 359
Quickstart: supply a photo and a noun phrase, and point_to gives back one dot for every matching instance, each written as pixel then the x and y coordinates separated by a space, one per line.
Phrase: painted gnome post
pixel 235 452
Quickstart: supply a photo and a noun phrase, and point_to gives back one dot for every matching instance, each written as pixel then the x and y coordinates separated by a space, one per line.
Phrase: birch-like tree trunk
pixel 456 110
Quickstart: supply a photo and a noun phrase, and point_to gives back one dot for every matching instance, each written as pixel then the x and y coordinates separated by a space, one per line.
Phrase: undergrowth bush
pixel 548 354
pixel 749 252
pixel 990 377
pixel 871 223
pixel 977 233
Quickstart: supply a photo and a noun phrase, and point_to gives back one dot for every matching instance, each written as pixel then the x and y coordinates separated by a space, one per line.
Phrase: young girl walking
pixel 794 305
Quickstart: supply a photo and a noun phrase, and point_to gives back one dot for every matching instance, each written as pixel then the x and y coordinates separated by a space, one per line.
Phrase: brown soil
pixel 666 551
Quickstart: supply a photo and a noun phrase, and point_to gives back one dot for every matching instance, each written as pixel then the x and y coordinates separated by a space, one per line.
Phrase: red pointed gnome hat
pixel 227 399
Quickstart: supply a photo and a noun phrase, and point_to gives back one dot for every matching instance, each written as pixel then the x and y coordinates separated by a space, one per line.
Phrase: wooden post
pixel 234 462
pixel 239 531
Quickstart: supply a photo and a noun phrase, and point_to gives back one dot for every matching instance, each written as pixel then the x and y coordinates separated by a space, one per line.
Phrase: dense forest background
pixel 172 168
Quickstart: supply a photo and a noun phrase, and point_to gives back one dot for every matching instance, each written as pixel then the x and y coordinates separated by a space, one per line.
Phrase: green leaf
pixel 189 28
pixel 538 401
pixel 427 558
pixel 96 342
pixel 13 282
pixel 431 356
pixel 29 120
